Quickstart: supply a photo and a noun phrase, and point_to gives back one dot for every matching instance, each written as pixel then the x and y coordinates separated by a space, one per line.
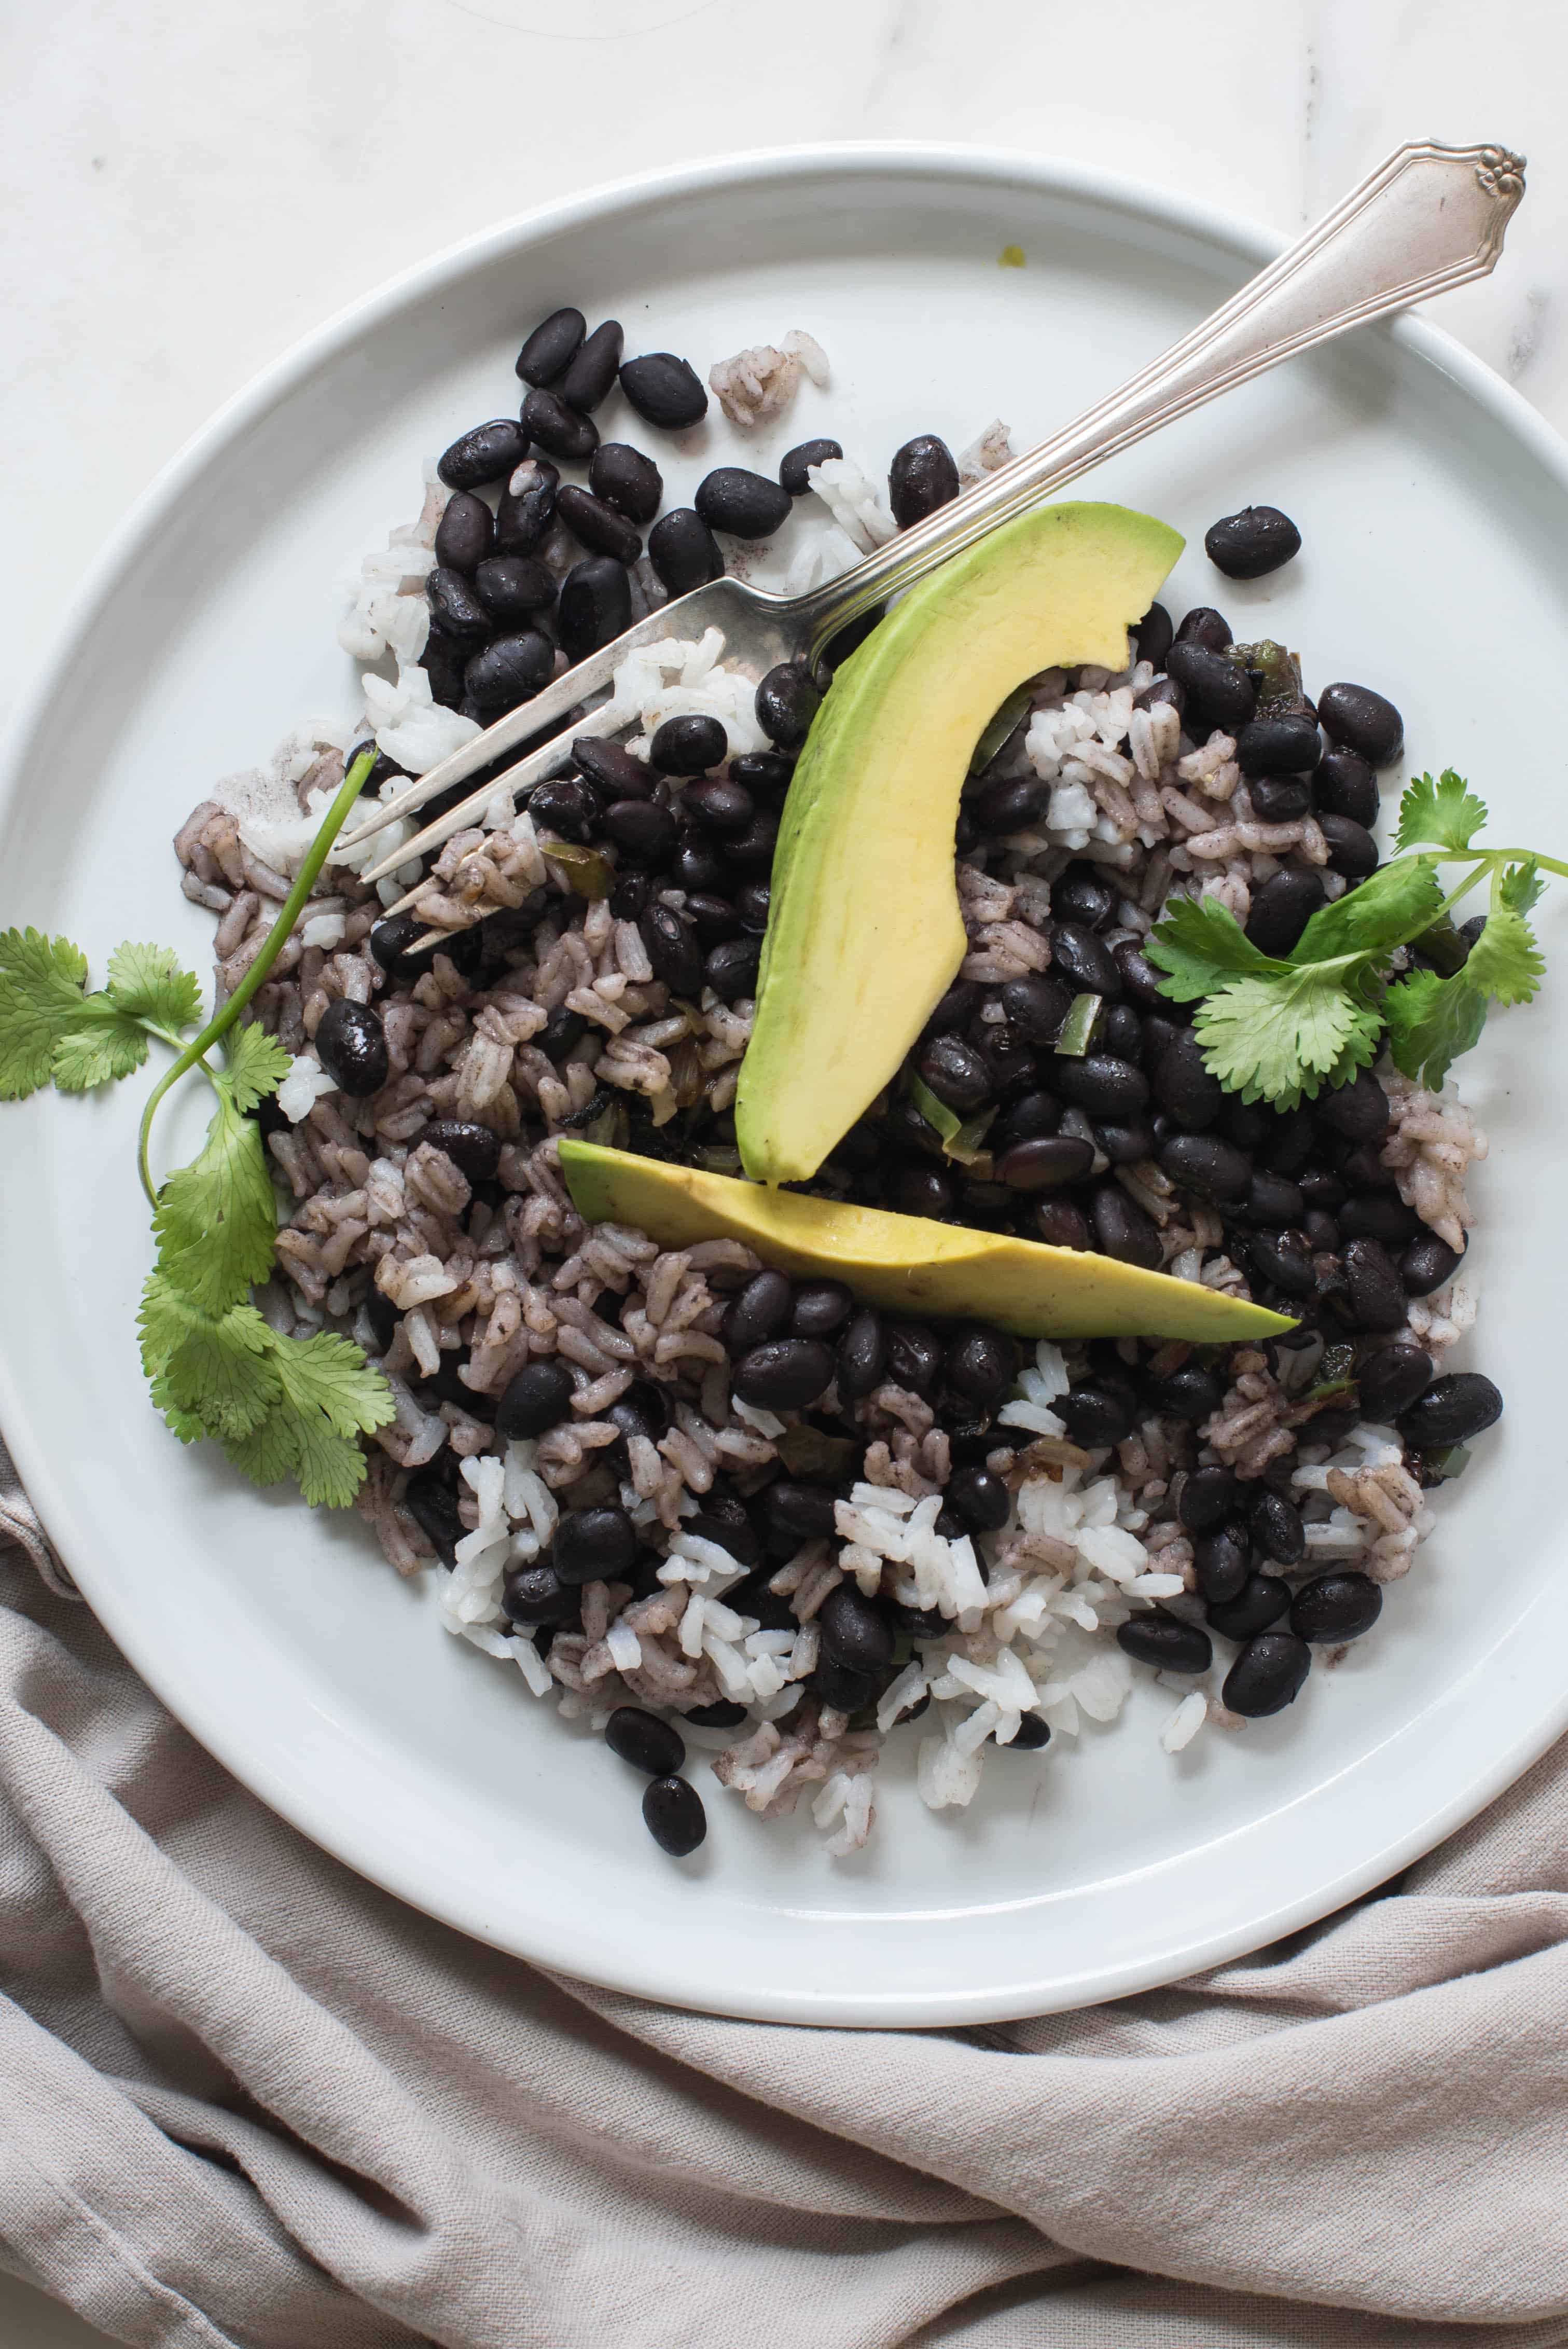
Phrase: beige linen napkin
pixel 246 2099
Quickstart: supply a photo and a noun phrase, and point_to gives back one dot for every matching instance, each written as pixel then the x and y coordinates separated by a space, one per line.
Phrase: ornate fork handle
pixel 1427 219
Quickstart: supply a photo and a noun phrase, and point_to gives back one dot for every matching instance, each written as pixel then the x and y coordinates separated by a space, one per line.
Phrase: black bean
pixel 1363 1170
pixel 642 1409
pixel 1284 1260
pixel 1271 1201
pixel 1269 1673
pixel 684 550
pixel 1095 1415
pixel 998 809
pixel 433 1505
pixel 1121 1033
pixel 689 746
pixel 1221 1561
pixel 1155 633
pixel 508 670
pixel 593 369
pixel 845 1689
pixel 1126 1145
pixel 980 1498
pixel 1321 1232
pixel 552 345
pixel 1288 745
pixel 561 1033
pixel 1121 1228
pixel 1080 894
pixel 672 949
pixel 612 770
pixel 597 526
pixel 1044 1162
pixel 787 702
pixel 1208 1498
pixel 488 453
pixel 1275 1526
pixel 466 532
pixel 1061 1222
pixel 1005 1053
pixel 863 1355
pixel 1454 1409
pixel 765 774
pixel 455 609
pixel 1289 1141
pixel 1335 1606
pixel 721 1714
pixel 389 941
pixel 721 806
pixel 1205 626
pixel 1363 721
pixel 731 969
pixel 623 478
pixel 1321 1189
pixel 1260 1601
pixel 567 806
pixel 1246 545
pixel 1084 961
pixel 1101 1084
pixel 714 918
pixel 1378 1216
pixel 796 462
pixel 956 1074
pixel 821 1308
pixel 643 832
pixel 1359 1110
pixel 1351 847
pixel 922 477
pixel 856 1633
pixel 565 433
pixel 913 1356
pixel 512 586
pixel 595 606
pixel 1280 799
pixel 799 1513
pixel 758 1311
pixel 1377 1293
pixel 1281 909
pixel 473 1149
pixel 918 1189
pixel 1191 1393
pixel 751 852
pixel 533 1595
pixel 384 1318
pixel 722 1518
pixel 1426 1264
pixel 351 1045
pixel 787 1374
pixel 1169 1645
pixel 1344 785
pixel 674 1816
pixel 527 509
pixel 644 1741
pixel 981 1364
pixel 1391 1379
pixel 1142 979
pixel 1037 1005
pixel 1219 692
pixel 698 867
pixel 632 895
pixel 664 390
pixel 1202 1163
pixel 747 505
pixel 594 1546
pixel 963 1002
pixel 1167 692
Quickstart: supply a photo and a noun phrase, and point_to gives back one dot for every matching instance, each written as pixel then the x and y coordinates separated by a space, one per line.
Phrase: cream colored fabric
pixel 246 2099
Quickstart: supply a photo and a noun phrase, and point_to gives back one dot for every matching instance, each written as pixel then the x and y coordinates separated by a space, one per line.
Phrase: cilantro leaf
pixel 148 983
pixel 1200 944
pixel 101 1045
pixel 1519 886
pixel 1505 961
pixel 213 1366
pixel 328 1374
pixel 1444 814
pixel 216 1218
pixel 41 999
pixel 1275 1037
pixel 257 1064
pixel 328 1395
pixel 1389 906
pixel 1432 1022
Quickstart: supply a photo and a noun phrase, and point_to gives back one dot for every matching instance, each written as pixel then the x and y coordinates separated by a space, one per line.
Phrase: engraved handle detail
pixel 1427 219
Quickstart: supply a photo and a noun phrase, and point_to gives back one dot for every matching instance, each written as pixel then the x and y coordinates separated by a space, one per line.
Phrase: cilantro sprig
pixel 1279 1029
pixel 280 1407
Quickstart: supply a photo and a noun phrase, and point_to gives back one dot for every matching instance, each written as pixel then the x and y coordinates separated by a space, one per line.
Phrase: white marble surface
pixel 193 187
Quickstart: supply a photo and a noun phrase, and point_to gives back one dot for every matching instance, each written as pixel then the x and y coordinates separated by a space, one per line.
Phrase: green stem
pixel 1513 856
pixel 271 947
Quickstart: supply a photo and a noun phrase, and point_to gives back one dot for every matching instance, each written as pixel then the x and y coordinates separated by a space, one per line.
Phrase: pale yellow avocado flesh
pixel 904 1263
pixel 864 934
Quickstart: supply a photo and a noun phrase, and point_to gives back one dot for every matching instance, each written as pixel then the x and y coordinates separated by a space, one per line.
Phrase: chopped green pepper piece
pixel 936 1112
pixel 588 873
pixel 1081 1026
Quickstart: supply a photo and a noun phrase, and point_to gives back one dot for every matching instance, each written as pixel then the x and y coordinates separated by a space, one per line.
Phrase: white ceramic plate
pixel 1434 508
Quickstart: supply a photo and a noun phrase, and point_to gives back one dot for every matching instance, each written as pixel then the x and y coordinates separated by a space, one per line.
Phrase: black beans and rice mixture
pixel 691 1500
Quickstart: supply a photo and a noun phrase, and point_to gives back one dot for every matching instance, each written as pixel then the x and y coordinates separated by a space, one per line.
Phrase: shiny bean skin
pixel 1169 1645
pixel 1141 980
pixel 1006 805
pixel 643 832
pixel 751 852
pixel 666 391
pixel 1376 1292
pixel 1061 1222
pixel 1335 1606
pixel 1351 847
pixel 1269 1673
pixel 1104 1086
pixel 1080 895
pixel 547 420
pixel 551 348
pixel 473 1149
pixel 1284 1260
pixel 1121 1034
pixel 533 1595
pixel 913 1356
pixel 674 1816
pixel 1426 1264
pixel 596 527
pixel 1084 962
pixel 1281 909
pixel 1208 1499
pixel 1286 745
pixel 1037 1005
pixel 466 532
pixel 980 1498
pixel 1392 1378
pixel 455 610
pixel 981 1364
pixel 1095 1415
pixel 644 1741
pixel 786 1375
pixel 730 970
pixel 351 1045
pixel 1359 1110
pixel 595 606
pixel 1121 1228
pixel 922 477
pixel 798 1512
pixel 508 670
pixel 1191 1393
pixel 856 1633
pixel 1346 785
pixel 1184 1086
pixel 1155 633
pixel 1126 1145
pixel 567 807
pixel 1260 1601
pixel 512 587
pixel 1454 1410
pixel 621 477
pixel 434 1509
pixel 917 1189
pixel 1275 1526
pixel 690 745
pixel 747 505
pixel 1202 1163
pixel 1280 799
pixel 787 702
pixel 1219 692
pixel 1031 1115
pixel 1249 544
pixel 594 1546
pixel 1273 1202
pixel 527 509
pixel 863 1355
pixel 1378 1216
pixel 722 807
pixel 956 1074
pixel 684 551
pixel 672 950
pixel 821 1308
pixel 488 453
pixel 1044 1162
pixel 1222 1562
pixel 1205 626
pixel 1359 720
pixel 612 770
pixel 593 369
pixel 797 462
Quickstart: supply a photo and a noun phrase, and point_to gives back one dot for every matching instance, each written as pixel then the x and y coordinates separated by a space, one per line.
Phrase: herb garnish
pixel 279 1406
pixel 1278 1031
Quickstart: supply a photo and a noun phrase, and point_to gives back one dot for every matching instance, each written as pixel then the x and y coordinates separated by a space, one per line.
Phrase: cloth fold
pixel 250 2102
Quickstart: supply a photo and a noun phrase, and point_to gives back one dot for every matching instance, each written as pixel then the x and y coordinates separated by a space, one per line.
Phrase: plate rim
pixel 191 1701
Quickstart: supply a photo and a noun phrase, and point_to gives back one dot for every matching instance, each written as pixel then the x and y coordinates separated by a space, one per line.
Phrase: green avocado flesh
pixel 906 1263
pixel 864 934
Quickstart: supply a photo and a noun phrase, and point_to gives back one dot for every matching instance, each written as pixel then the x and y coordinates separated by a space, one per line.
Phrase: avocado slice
pixel 906 1263
pixel 864 934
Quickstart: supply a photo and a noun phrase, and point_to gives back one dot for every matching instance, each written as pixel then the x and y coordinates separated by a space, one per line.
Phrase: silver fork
pixel 1428 218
